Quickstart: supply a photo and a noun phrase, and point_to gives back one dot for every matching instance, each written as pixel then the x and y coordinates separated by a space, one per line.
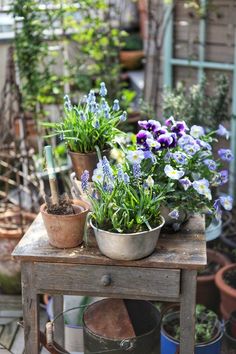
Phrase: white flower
pixel 196 131
pixel 172 173
pixel 98 175
pixel 150 182
pixel 135 157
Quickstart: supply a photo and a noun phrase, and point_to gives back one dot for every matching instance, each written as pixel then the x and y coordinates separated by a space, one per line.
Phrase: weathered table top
pixel 183 250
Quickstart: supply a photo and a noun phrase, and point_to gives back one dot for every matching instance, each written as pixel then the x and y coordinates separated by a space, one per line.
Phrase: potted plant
pixel 132 52
pixel 64 219
pixel 207 292
pixel 208 333
pixel 125 209
pixel 88 126
pixel 181 159
pixel 226 282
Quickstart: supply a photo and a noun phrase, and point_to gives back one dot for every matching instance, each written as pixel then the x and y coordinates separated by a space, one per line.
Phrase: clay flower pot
pixel 227 293
pixel 207 292
pixel 85 161
pixel 131 59
pixel 66 231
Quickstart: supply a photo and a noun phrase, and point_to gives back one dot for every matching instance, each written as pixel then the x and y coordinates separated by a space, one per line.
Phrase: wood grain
pixel 185 249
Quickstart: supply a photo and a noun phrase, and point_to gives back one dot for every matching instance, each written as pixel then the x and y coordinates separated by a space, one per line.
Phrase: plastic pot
pixel 207 292
pixel 66 231
pixel 171 346
pixel 127 246
pixel 227 293
pixel 87 161
pixel 229 336
pixel 214 230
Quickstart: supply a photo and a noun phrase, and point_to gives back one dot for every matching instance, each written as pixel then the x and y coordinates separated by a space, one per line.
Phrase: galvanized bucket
pixel 127 247
pixel 146 322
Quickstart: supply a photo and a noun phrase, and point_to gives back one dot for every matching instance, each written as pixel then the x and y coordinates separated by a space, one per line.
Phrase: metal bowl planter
pixel 169 345
pixel 214 230
pixel 127 247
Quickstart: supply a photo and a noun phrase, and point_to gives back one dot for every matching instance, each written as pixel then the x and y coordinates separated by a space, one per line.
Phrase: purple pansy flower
pixel 165 140
pixel 174 214
pixel 186 139
pixel 149 155
pixel 226 202
pixel 225 154
pixel 191 149
pixel 179 128
pixel 172 173
pixel 170 121
pixel 222 131
pixel 175 140
pixel 224 176
pixel 185 182
pixel 211 164
pixel 142 136
pixel 180 157
pixel 135 156
pixel 149 125
pixel 160 131
pixel 153 144
pixel 203 144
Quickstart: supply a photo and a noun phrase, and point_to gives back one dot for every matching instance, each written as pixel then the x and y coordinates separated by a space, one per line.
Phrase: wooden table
pixel 169 274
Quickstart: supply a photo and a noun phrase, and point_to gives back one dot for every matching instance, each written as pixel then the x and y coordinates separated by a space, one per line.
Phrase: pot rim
pixel 218 335
pixel 127 234
pixel 88 153
pixel 75 202
pixel 211 277
pixel 219 280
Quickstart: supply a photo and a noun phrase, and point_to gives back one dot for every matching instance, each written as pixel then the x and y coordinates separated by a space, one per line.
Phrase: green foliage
pixel 125 205
pixel 133 41
pixel 195 106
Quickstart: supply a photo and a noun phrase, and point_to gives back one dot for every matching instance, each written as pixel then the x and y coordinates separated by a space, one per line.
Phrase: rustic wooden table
pixel 169 274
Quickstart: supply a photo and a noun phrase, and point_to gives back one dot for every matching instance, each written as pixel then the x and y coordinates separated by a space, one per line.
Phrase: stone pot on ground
pixel 207 292
pixel 226 282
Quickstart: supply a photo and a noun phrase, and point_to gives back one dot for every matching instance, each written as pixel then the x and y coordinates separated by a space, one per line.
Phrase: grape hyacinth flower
pixel 120 173
pixel 135 157
pixel 185 182
pixel 107 170
pixel 103 90
pixel 82 116
pixel 196 131
pixel 91 97
pixel 165 140
pixel 222 131
pixel 106 113
pixel 225 154
pixel 123 117
pixel 174 214
pixel 226 202
pixel 202 187
pixel 84 180
pixel 67 103
pixel 137 170
pixel 116 105
pixel 96 124
pixel 211 164
pixel 126 178
pixel 104 104
pixel 180 157
pixel 172 173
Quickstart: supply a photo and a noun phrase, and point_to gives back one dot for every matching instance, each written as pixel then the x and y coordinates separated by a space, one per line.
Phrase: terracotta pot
pixel 131 59
pixel 227 293
pixel 86 161
pixel 66 231
pixel 207 292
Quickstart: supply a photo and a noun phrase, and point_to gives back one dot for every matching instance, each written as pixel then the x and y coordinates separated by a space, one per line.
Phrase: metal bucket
pixel 146 322
pixel 127 247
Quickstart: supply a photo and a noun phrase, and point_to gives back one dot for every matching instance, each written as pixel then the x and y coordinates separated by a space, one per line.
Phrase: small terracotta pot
pixel 207 292
pixel 131 59
pixel 227 293
pixel 87 161
pixel 66 231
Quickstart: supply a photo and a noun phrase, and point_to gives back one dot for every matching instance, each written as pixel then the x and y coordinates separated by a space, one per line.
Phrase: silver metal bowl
pixel 127 246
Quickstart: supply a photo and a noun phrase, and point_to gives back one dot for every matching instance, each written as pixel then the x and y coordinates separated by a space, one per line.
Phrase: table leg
pixel 30 302
pixel 187 311
pixel 59 323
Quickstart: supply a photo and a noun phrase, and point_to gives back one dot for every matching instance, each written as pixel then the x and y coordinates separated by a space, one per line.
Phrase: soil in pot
pixel 207 292
pixel 230 278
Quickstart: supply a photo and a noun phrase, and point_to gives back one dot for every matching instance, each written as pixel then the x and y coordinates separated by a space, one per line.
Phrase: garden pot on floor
pixel 169 345
pixel 207 292
pixel 66 231
pixel 230 331
pixel 87 161
pixel 226 282
pixel 130 246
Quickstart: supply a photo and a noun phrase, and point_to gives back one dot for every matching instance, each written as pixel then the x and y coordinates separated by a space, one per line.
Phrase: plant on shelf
pixel 182 159
pixel 208 333
pixel 125 208
pixel 195 106
pixel 88 126
pixel 132 51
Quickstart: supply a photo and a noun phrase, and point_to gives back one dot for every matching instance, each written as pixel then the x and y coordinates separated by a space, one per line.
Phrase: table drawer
pixel 112 281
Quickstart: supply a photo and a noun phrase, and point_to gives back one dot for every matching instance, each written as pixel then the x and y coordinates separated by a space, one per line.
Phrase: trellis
pixel 201 64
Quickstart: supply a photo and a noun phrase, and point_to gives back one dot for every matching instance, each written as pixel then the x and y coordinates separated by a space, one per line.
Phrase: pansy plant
pixel 181 159
pixel 93 122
